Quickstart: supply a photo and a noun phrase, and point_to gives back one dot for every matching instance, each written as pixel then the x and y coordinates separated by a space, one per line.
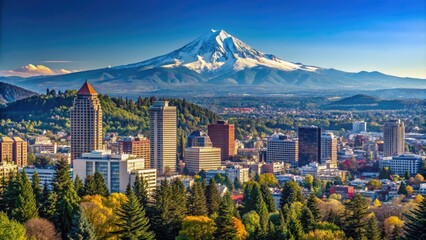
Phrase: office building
pixel 43 144
pixel 393 138
pixel 282 149
pixel 202 158
pixel 86 122
pixel 403 163
pixel 239 172
pixel 222 136
pixel 13 151
pixel 328 147
pixel 163 137
pixel 309 145
pixel 198 139
pixel 138 146
pixel 115 168
pixel 46 175
pixel 359 126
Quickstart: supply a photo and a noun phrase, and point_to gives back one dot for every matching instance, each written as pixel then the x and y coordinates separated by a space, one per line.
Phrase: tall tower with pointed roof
pixel 86 122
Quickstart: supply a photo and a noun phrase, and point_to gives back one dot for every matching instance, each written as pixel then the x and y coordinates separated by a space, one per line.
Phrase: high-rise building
pixel 282 149
pixel 198 139
pixel 86 122
pixel 163 137
pixel 309 145
pixel 359 126
pixel 202 158
pixel 13 151
pixel 393 138
pixel 328 147
pixel 222 136
pixel 136 146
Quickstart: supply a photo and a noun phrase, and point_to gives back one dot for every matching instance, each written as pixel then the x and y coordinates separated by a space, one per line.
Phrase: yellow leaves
pixel 419 198
pixel 324 235
pixel 377 203
pixel 418 178
pixel 409 190
pixel 241 230
pixel 390 223
pixel 197 227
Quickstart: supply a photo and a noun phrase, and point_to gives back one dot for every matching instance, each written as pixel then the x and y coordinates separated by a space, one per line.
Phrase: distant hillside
pixel 10 93
pixel 365 102
pixel 127 117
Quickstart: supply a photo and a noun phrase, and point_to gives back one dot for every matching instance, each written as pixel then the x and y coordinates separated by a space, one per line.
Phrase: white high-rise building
pixel 359 126
pixel 328 147
pixel 282 149
pixel 163 137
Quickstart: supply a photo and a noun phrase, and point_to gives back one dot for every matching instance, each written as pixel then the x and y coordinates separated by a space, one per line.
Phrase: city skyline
pixel 387 37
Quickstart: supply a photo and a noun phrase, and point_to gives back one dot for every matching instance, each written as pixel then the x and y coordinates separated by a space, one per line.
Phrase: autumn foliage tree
pixel 197 228
pixel 40 228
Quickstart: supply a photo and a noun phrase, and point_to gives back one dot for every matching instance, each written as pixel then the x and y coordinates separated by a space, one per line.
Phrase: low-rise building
pixel 403 163
pixel 238 172
pixel 347 192
pixel 6 170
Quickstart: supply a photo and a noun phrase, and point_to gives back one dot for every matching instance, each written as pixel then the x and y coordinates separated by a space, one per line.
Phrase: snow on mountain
pixel 215 51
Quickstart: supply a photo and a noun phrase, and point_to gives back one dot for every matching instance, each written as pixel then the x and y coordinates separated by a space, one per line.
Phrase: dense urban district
pixel 81 165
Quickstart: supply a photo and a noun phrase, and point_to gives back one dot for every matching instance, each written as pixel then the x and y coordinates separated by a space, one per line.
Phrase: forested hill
pixel 125 116
pixel 10 93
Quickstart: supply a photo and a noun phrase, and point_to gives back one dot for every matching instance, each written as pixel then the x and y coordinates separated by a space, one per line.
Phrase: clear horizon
pixel 354 36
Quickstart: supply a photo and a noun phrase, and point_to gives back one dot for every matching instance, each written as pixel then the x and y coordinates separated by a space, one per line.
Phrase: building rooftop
pixel 87 89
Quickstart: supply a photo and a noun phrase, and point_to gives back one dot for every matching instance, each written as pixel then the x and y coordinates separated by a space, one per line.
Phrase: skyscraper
pixel 309 145
pixel 163 137
pixel 359 126
pixel 13 151
pixel 328 147
pixel 86 122
pixel 393 138
pixel 222 136
pixel 282 149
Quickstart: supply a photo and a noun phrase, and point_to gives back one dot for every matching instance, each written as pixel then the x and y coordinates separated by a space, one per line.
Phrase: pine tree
pixel 133 223
pixel 372 229
pixel 248 201
pixel 81 228
pixel 237 183
pixel 224 221
pixel 37 190
pixel 291 193
pixel 67 202
pixel 229 184
pixel 45 209
pixel 295 228
pixel 307 220
pixel 402 188
pixel 26 206
pixel 90 185
pixel 101 187
pixel 12 191
pixel 355 217
pixel 311 203
pixel 140 188
pixel 178 204
pixel 416 222
pixel 267 197
pixel 163 222
pixel 281 228
pixel 260 208
pixel 79 186
pixel 197 201
pixel 212 197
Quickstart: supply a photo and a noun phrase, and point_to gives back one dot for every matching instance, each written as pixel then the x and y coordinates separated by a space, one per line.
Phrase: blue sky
pixel 388 36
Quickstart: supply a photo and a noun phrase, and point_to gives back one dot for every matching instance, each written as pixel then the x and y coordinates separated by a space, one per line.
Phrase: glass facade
pixel 115 176
pixel 102 167
pixel 309 145
pixel 89 168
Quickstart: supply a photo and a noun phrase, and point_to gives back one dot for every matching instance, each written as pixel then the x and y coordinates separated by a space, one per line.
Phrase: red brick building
pixel 345 191
pixel 222 136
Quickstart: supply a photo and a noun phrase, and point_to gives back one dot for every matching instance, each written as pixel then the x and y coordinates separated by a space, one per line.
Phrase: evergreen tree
pixel 37 190
pixel 295 228
pixel 12 191
pixel 291 193
pixel 237 183
pixel 334 218
pixel 229 184
pixel 355 217
pixel 407 175
pixel 79 186
pixel 281 228
pixel 416 222
pixel 140 188
pixel 212 197
pixel 133 223
pixel 197 201
pixel 260 208
pixel 101 187
pixel 313 206
pixel 372 229
pixel 67 201
pixel 81 228
pixel 402 188
pixel 224 221
pixel 248 201
pixel 26 206
pixel 307 220
pixel 90 185
pixel 267 197
pixel 178 206
pixel 46 210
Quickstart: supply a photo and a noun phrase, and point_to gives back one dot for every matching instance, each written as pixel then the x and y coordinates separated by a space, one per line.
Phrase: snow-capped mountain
pixel 214 62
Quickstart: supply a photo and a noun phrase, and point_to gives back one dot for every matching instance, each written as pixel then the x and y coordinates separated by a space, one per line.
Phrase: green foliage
pixel 385 173
pixel 224 221
pixel 312 204
pixel 372 230
pixel 402 188
pixel 197 228
pixel 37 189
pixel 133 223
pixel 101 187
pixel 291 193
pixel 140 187
pixel 237 183
pixel 79 186
pixel 26 206
pixel 416 222
pixel 267 198
pixel 12 191
pixel 90 185
pixel 252 222
pixel 81 228
pixel 197 201
pixel 10 229
pixel 355 217
pixel 212 197
pixel 307 220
